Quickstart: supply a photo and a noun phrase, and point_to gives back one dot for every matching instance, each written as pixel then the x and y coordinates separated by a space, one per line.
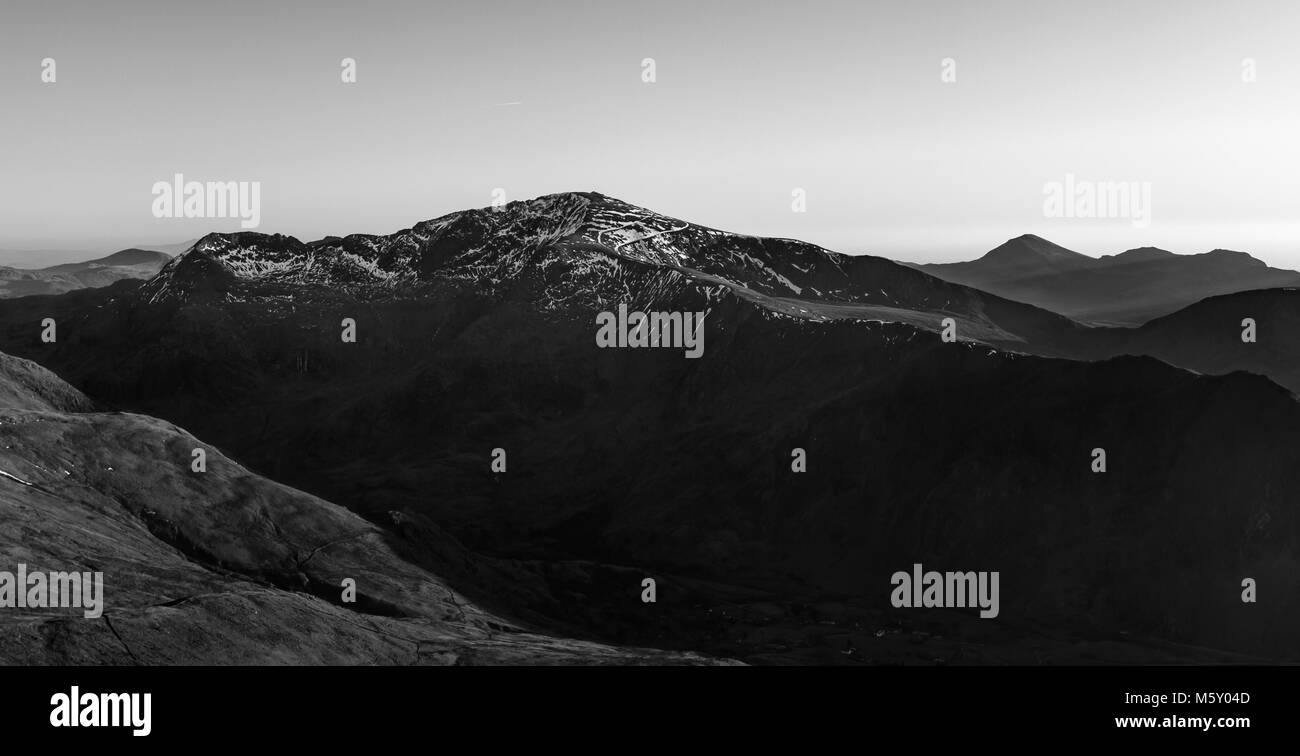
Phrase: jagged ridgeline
pixel 476 332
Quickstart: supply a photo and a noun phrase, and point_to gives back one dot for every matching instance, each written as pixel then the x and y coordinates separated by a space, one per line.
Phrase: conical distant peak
pixel 1029 248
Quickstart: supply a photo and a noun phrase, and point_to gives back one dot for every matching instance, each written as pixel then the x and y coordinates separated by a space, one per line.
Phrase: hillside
pixel 219 567
pixel 475 332
pixel 127 264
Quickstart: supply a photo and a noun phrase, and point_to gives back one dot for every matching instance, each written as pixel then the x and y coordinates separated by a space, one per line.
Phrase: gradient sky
pixel 753 99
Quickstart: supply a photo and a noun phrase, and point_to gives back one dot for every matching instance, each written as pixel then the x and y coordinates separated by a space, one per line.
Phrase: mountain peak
pixel 1232 254
pixel 1139 254
pixel 1033 254
pixel 1031 244
pixel 133 256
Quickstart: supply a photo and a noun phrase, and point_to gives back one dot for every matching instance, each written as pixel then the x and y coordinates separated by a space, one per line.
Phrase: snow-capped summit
pixel 583 250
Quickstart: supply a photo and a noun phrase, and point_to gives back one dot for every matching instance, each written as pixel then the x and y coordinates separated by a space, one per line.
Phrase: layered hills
pixel 475 337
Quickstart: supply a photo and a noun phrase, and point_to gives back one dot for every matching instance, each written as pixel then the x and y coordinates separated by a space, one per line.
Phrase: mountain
pixel 171 250
pixel 475 334
pixel 57 279
pixel 1207 336
pixel 1127 289
pixel 602 249
pixel 124 259
pixel 219 567
pixel 29 259
pixel 1026 255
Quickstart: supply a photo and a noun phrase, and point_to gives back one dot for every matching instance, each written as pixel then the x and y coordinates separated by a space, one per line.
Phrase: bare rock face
pixel 220 566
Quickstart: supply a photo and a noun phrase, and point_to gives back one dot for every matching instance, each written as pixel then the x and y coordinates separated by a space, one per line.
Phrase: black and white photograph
pixel 343 344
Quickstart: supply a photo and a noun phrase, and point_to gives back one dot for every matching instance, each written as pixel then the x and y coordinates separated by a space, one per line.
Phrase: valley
pixel 476 331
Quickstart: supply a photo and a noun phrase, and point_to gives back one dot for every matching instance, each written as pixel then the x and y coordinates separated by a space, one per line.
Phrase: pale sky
pixel 752 100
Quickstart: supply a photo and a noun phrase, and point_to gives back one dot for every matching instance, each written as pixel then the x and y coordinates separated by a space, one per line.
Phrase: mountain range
pixel 1127 289
pixel 475 334
pixel 57 279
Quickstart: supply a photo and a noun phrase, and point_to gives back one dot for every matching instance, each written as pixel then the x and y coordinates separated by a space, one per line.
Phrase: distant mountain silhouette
pixel 1125 289
pixel 57 279
pixel 476 331
pixel 1207 336
pixel 1025 255
pixel 124 258
pixel 171 250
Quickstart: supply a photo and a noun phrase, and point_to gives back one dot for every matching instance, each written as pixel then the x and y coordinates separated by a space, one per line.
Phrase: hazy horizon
pixel 910 249
pixel 842 100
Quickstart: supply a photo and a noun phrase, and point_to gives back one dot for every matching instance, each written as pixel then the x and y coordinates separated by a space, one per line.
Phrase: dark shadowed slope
pixel 476 332
pixel 1207 336
pixel 221 567
pixel 1125 289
